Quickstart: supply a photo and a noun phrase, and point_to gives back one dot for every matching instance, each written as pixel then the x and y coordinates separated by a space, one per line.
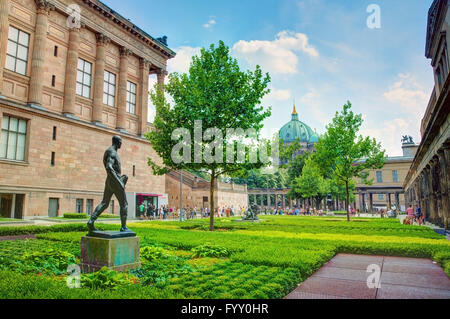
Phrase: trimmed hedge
pixel 32 230
pixel 75 216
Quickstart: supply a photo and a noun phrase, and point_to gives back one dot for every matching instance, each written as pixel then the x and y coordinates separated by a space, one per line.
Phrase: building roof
pixel 158 43
pixel 297 130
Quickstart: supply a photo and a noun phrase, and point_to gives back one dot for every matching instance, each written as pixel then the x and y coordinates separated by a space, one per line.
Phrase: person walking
pixel 419 215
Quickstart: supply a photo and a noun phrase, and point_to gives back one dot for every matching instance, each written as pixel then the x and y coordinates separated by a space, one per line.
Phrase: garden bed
pixel 184 260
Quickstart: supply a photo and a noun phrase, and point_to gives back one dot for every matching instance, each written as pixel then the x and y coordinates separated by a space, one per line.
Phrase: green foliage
pixel 151 253
pixel 209 250
pixel 218 93
pixel 264 260
pixel 105 279
pixel 17 286
pixel 343 154
pixel 311 183
pixel 75 216
pixel 49 260
pixel 31 230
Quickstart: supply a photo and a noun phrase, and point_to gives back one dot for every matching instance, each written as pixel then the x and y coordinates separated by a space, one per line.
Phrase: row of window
pixel 79 206
pixel 17 60
pixel 394 176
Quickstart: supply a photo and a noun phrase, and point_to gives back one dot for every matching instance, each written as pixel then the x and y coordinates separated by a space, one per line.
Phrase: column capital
pixel 44 6
pixel 77 27
pixel 102 40
pixel 162 72
pixel 144 63
pixel 125 52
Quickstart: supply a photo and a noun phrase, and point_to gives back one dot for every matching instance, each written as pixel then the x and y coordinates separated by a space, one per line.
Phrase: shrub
pixel 209 250
pixel 76 216
pixel 105 279
pixel 150 253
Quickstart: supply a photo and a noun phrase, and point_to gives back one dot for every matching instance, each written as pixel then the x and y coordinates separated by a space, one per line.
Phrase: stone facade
pixel 428 182
pixel 387 187
pixel 67 133
pixel 195 192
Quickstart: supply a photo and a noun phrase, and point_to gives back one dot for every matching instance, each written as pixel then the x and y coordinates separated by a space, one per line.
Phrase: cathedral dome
pixel 297 130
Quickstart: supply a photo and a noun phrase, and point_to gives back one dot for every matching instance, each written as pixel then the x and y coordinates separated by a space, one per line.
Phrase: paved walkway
pixel 345 277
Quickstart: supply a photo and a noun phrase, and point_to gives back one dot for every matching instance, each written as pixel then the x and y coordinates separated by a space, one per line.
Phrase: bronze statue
pixel 114 185
pixel 251 213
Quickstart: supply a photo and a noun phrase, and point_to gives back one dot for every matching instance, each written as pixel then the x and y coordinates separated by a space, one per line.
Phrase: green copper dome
pixel 296 129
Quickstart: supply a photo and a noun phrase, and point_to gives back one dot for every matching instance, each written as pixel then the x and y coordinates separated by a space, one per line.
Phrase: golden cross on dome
pixel 295 111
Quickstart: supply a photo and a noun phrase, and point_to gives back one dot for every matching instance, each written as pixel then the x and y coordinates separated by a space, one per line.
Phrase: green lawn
pixel 183 260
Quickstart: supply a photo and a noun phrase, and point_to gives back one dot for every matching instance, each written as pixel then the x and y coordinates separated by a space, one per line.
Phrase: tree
pixel 337 189
pixel 221 96
pixel 344 154
pixel 311 183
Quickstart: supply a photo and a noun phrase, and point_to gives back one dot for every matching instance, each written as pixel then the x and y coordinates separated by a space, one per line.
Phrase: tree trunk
pixel 211 195
pixel 347 200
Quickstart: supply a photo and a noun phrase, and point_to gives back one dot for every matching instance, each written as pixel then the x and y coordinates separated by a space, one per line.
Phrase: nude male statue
pixel 114 185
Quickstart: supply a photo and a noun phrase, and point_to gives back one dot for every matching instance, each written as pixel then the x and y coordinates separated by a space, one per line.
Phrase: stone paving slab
pixel 406 292
pixel 423 280
pixel 336 288
pixel 345 277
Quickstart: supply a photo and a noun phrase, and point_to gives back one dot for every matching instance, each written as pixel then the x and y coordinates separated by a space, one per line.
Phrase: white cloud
pixel 408 93
pixel 390 133
pixel 183 59
pixel 277 56
pixel 210 23
pixel 279 95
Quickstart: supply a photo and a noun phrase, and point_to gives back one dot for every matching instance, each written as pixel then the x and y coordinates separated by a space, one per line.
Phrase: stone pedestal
pixel 120 254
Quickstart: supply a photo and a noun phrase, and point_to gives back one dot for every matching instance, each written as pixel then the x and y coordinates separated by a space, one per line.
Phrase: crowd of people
pixel 151 212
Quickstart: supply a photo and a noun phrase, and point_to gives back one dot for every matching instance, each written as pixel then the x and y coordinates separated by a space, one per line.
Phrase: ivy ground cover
pixel 184 260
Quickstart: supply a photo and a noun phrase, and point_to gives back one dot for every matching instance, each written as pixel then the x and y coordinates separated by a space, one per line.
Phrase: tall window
pixel 79 206
pixel 395 176
pixel 131 97
pixel 13 140
pixel 84 78
pixel 379 177
pixel 17 53
pixel 89 206
pixel 380 197
pixel 109 88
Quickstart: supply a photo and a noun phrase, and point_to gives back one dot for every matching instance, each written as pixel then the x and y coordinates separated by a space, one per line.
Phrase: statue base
pixel 116 253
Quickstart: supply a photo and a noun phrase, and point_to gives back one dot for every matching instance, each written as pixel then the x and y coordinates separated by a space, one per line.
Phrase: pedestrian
pixel 419 215
pixel 141 210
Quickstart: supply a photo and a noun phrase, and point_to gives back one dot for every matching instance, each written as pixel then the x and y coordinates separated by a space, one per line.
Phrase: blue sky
pixel 319 52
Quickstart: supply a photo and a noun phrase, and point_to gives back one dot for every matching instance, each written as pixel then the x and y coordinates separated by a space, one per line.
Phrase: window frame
pixel 130 95
pixel 83 73
pixel 108 84
pixel 17 45
pixel 379 175
pixel 18 133
pixel 395 178
pixel 78 200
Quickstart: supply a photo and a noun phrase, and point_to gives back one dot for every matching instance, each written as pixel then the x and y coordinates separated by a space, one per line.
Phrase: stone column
pixel 4 31
pixel 97 112
pixel 371 202
pixel 428 190
pixel 38 56
pixel 290 203
pixel 144 71
pixel 122 93
pixel 71 72
pixel 160 76
pixel 283 201
pixel 361 203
